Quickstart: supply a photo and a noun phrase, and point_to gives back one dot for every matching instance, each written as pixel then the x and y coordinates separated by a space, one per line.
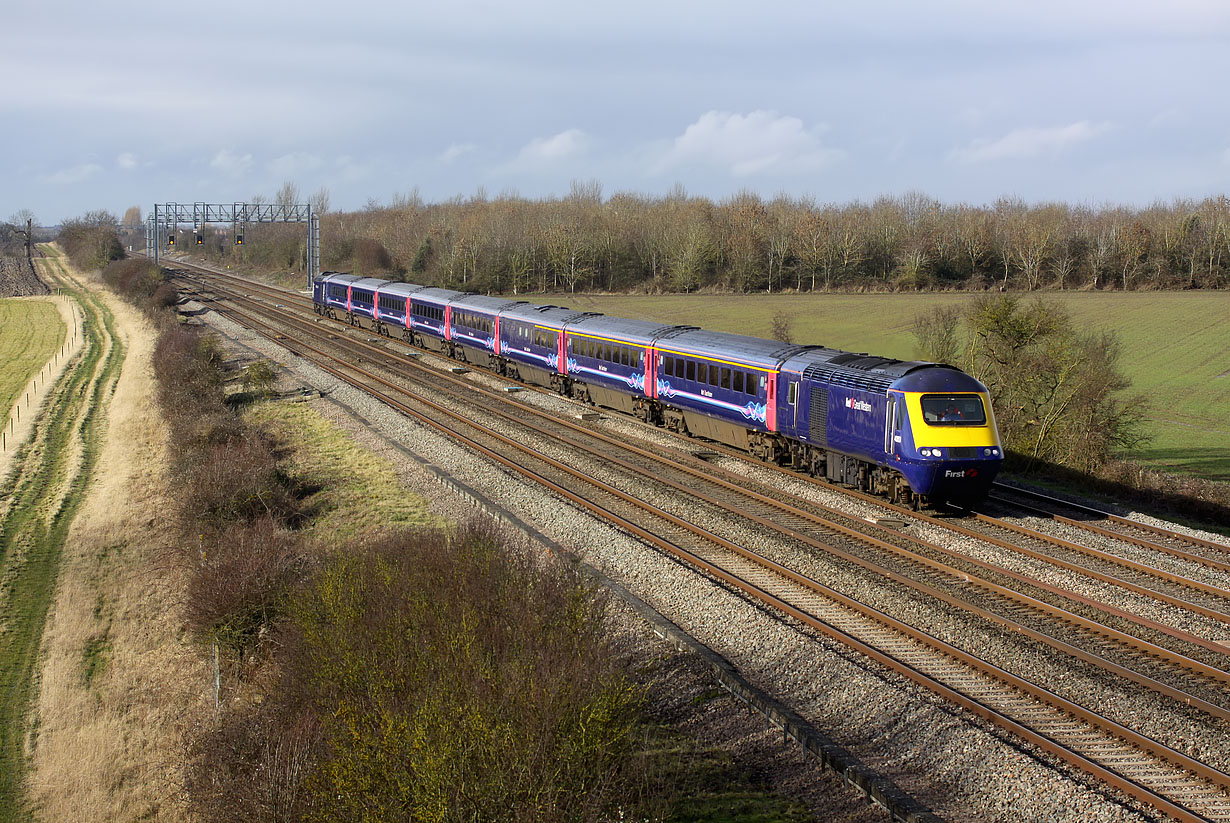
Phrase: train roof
pixel 939 378
pixel 553 316
pixel 338 277
pixel 876 374
pixel 752 351
pixel 440 296
pixel 368 283
pixel 483 303
pixel 643 332
pixel 400 289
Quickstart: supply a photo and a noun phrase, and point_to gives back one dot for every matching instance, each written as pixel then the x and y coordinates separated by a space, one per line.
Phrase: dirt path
pixel 118 686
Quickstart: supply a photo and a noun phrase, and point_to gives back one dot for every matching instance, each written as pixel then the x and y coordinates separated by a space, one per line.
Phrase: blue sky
pixel 109 105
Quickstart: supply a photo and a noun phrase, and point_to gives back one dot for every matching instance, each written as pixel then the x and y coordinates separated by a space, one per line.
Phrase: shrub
pixel 240 581
pixel 457 680
pixel 235 477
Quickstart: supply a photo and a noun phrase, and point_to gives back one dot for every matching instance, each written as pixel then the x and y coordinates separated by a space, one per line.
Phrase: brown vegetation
pixel 119 689
pixel 1057 393
pixel 679 243
pixel 91 241
pixel 443 675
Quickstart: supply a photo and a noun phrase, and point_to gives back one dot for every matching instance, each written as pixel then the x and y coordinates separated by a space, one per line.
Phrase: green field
pixel 1176 347
pixel 30 332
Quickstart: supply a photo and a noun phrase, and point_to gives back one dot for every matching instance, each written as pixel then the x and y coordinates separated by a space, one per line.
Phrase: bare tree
pixel 24 217
pixel 320 201
pixel 288 194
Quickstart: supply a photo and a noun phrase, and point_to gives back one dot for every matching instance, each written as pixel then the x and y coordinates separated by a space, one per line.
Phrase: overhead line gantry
pixel 166 219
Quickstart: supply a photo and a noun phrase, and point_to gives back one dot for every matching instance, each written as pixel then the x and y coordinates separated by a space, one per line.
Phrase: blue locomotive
pixel 914 432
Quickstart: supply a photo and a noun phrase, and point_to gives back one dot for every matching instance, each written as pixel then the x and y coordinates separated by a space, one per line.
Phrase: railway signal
pixel 200 238
pixel 171 239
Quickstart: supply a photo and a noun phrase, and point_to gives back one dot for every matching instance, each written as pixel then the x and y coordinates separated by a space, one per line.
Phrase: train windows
pixel 738 386
pixel 626 356
pixel 691 370
pixel 792 395
pixel 953 410
pixel 668 366
pixel 725 378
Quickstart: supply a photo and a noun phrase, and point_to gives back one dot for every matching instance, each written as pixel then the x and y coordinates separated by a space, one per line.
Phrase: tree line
pixel 680 243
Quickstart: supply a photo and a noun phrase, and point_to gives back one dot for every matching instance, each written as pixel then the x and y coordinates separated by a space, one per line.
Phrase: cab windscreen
pixel 953 410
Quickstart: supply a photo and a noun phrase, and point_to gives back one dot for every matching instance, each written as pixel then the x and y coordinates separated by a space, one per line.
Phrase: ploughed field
pixel 1175 347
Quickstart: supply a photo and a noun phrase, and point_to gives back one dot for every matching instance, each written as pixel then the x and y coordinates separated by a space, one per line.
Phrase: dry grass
pixel 360 493
pixel 120 686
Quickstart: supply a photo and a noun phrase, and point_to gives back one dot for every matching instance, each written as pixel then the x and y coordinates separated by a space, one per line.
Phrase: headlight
pixel 987 452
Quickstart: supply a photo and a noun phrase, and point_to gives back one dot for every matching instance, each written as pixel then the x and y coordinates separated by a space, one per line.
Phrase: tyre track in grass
pixel 36 511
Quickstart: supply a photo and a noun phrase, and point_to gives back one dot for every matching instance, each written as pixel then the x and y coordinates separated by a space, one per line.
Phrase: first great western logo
pixel 857 405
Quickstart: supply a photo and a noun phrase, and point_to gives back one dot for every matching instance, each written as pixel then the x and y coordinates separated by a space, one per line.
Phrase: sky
pixel 1094 102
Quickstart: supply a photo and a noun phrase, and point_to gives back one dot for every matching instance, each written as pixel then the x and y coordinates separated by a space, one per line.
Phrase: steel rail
pixel 1105 578
pixel 1119 781
pixel 1115 534
pixel 1165 654
pixel 1115 518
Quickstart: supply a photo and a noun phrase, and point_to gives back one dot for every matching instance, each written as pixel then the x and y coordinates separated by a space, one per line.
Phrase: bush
pixel 91 241
pixel 235 478
pixel 1058 394
pixel 458 681
pixel 433 676
pixel 240 581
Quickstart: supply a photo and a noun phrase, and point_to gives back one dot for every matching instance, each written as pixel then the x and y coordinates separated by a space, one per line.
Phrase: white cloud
pixel 349 170
pixel 455 151
pixel 295 163
pixel 570 143
pixel 126 161
pixel 762 141
pixel 231 164
pixel 1029 142
pixel 74 174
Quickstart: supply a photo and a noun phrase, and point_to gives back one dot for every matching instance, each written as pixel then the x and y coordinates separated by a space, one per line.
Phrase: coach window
pixel 691 370
pixel 739 382
pixel 725 378
pixel 793 395
pixel 627 356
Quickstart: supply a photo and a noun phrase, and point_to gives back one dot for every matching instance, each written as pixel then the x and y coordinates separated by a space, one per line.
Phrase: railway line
pixel 709 517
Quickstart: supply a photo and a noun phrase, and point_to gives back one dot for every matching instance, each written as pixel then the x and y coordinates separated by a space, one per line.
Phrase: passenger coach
pixel 909 430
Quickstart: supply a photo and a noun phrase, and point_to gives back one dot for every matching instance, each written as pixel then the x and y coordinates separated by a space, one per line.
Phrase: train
pixel 916 433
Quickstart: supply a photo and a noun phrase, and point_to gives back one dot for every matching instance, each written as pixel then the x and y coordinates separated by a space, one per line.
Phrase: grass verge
pixel 38 509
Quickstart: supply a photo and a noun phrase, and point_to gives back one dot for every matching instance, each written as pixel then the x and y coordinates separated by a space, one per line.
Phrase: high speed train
pixel 914 432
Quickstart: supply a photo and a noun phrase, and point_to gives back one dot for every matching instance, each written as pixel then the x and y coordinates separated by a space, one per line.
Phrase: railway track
pixel 1210 553
pixel 1150 770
